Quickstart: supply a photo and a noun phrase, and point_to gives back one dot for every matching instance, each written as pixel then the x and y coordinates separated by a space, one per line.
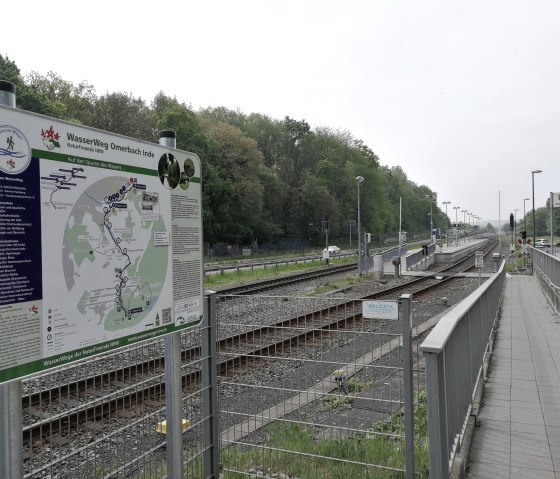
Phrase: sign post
pixel 101 242
pixel 11 425
pixel 479 263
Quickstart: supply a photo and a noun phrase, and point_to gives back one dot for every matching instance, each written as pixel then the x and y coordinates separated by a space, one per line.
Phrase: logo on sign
pixel 50 138
pixel 15 152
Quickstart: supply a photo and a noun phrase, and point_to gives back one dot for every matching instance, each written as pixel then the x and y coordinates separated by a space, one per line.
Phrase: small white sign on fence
pixel 479 259
pixel 380 309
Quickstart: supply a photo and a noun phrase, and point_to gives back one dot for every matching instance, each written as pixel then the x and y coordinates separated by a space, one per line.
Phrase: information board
pixel 100 242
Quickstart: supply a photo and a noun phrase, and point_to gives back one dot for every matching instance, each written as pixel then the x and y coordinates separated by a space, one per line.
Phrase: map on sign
pixel 115 256
pixel 111 266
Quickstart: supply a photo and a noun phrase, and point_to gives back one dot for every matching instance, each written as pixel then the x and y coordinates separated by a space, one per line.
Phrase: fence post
pixel 406 299
pixel 173 379
pixel 11 423
pixel 210 387
pixel 437 416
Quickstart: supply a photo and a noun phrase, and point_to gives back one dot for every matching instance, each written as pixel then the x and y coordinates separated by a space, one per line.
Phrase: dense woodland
pixel 263 178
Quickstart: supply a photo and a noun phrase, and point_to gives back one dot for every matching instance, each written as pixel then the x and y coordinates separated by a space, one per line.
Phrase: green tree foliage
pixel 263 178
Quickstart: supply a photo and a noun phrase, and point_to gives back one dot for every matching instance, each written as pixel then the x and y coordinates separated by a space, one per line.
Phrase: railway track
pixel 82 402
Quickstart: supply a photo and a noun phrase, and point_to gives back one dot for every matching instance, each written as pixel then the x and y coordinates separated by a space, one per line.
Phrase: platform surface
pixel 519 433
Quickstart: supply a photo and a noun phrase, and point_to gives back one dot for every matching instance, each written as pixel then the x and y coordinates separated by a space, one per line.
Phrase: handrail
pixel 454 353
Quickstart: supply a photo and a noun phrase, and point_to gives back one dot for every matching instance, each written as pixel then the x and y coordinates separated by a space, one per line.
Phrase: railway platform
pixel 519 432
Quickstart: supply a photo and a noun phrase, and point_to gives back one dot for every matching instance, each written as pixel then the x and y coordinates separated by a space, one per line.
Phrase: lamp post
pixel 464 225
pixel 359 180
pixel 534 221
pixel 446 219
pixel 430 197
pixel 309 230
pixel 456 225
pixel 525 214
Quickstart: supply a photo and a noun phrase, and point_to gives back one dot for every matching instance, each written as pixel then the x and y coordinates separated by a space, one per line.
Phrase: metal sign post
pixel 11 423
pixel 479 263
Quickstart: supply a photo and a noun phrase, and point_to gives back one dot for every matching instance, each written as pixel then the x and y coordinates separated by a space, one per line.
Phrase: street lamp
pixel 464 225
pixel 430 197
pixel 309 230
pixel 359 180
pixel 534 222
pixel 525 214
pixel 456 225
pixel 446 219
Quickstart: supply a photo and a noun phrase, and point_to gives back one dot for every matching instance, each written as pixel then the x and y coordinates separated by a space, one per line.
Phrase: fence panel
pixel 103 418
pixel 317 396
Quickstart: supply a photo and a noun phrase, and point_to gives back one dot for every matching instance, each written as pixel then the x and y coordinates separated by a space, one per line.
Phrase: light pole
pixel 309 230
pixel 534 222
pixel 446 219
pixel 456 225
pixel 359 180
pixel 525 214
pixel 430 197
pixel 464 225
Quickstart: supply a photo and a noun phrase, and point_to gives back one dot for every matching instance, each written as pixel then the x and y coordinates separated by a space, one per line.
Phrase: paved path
pixel 519 436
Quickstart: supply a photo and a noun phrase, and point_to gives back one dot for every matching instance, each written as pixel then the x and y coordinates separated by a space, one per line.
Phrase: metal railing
pixel 415 258
pixel 547 272
pixel 454 352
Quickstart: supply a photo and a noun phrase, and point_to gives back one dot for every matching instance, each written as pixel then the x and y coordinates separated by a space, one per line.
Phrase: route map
pixel 112 268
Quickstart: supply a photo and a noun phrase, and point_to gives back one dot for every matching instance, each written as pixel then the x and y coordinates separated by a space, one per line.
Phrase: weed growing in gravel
pixel 341 401
pixel 335 285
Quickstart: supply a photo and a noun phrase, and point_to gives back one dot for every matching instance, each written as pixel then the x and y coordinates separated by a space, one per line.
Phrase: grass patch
pixel 335 285
pixel 247 276
pixel 293 450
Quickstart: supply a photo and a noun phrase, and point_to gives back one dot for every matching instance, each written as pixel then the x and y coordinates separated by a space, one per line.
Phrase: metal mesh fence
pixel 310 389
pixel 103 418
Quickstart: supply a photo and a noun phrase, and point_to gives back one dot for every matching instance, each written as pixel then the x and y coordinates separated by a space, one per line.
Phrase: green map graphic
pixel 109 256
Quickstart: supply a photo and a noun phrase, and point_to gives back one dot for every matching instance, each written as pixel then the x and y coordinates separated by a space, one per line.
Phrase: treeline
pixel 263 178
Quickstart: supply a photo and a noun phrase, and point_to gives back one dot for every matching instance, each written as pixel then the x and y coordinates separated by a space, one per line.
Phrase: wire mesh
pixel 311 389
pixel 103 417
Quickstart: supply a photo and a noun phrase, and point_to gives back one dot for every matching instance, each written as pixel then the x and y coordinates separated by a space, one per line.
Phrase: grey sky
pixel 462 95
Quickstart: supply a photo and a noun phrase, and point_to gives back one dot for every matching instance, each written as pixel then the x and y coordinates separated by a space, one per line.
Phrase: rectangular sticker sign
pixel 100 242
pixel 479 259
pixel 380 309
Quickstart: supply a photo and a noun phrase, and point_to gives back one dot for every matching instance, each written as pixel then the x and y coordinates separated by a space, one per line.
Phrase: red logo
pixel 50 138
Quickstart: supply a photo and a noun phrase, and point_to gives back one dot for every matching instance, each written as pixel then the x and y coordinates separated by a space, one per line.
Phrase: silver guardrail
pixel 454 352
pixel 546 269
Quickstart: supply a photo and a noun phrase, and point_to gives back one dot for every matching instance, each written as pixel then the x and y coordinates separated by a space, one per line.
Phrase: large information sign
pixel 100 242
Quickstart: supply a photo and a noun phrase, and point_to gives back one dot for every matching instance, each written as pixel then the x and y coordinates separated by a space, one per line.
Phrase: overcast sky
pixel 464 96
